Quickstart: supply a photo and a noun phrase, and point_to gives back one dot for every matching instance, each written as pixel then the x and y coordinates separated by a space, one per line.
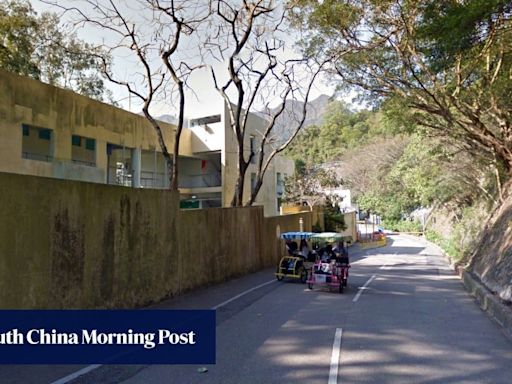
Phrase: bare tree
pixel 151 31
pixel 250 36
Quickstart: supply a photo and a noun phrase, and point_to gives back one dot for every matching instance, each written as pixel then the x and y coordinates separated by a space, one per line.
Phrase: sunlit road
pixel 411 323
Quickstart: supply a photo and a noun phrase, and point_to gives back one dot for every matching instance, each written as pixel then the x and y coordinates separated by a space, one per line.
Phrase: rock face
pixel 287 122
pixel 492 260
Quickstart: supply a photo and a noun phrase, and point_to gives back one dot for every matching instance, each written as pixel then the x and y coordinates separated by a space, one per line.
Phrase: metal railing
pixel 84 162
pixel 201 181
pixel 150 179
pixel 37 156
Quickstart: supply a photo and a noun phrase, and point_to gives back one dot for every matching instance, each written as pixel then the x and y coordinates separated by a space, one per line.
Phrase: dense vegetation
pixel 394 168
pixel 38 46
pixel 437 75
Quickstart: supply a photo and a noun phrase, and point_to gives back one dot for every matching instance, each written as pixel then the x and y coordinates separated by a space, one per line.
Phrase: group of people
pixel 338 252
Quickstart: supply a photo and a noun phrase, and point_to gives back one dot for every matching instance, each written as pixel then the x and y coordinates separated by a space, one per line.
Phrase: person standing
pixel 304 249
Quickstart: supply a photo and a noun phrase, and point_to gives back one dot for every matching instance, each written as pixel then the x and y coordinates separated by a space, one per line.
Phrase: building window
pixel 45 134
pixel 279 184
pixel 90 144
pixel 253 182
pixel 83 150
pixel 205 120
pixel 37 143
pixel 252 143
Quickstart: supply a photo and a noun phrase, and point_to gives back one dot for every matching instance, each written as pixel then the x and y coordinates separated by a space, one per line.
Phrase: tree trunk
pixel 177 136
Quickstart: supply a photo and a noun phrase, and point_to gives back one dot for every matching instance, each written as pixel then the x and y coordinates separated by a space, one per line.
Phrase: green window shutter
pixel 26 130
pixel 90 144
pixel 45 134
pixel 76 140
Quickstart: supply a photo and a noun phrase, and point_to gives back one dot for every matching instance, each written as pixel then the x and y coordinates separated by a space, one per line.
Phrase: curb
pixel 486 300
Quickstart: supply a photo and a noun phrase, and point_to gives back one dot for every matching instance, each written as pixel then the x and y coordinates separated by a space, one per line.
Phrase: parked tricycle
pixel 295 264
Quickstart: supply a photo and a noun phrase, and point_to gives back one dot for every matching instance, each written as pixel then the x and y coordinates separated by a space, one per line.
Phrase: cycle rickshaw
pixel 295 265
pixel 331 268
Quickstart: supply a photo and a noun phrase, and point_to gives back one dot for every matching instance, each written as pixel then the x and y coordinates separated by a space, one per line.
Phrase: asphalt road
pixel 404 318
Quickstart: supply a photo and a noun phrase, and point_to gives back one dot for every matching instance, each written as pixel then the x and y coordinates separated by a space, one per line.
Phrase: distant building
pixel 53 132
pixel 342 197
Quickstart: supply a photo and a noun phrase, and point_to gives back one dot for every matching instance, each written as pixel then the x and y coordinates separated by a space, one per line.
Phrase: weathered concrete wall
pixel 274 226
pixel 68 244
pixel 219 243
pixel 351 224
pixel 27 101
pixel 317 213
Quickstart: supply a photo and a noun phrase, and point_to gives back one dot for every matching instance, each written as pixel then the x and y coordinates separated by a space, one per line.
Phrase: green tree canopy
pixel 39 47
pixel 447 61
pixel 341 129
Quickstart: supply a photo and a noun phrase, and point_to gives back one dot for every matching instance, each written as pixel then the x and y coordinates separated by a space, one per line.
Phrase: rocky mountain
pixel 171 119
pixel 287 122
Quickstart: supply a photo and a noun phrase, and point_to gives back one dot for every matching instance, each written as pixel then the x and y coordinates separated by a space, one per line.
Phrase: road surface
pixel 404 318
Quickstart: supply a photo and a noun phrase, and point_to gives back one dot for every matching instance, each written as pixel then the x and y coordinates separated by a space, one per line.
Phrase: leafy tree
pixel 18 25
pixel 427 172
pixel 310 185
pixel 334 220
pixel 341 130
pixel 39 47
pixel 448 61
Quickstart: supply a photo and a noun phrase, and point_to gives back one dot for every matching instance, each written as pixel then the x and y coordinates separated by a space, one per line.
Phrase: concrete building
pixel 342 197
pixel 52 132
pixel 212 135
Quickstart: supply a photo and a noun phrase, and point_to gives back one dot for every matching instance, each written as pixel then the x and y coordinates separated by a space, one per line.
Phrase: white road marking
pixel 335 357
pixel 385 266
pixel 243 294
pixel 361 289
pixel 76 374
pixel 90 368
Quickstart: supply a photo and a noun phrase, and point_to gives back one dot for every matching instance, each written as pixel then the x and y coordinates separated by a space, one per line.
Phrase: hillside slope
pixel 491 261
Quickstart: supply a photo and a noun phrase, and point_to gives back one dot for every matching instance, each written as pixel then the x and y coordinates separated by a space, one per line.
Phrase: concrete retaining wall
pixel 68 244
pixel 488 301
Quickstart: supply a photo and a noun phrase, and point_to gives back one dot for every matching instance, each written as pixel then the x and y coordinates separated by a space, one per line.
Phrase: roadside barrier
pixel 376 241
